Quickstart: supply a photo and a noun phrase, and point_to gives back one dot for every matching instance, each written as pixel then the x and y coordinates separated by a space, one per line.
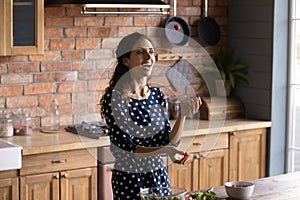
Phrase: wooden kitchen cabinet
pixel 9 185
pixel 203 169
pixel 236 156
pixel 200 172
pixel 63 175
pixel 22 27
pixel 247 151
pixel 65 185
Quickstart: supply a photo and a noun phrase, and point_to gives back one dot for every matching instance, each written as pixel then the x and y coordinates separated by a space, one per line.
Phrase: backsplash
pixel 79 58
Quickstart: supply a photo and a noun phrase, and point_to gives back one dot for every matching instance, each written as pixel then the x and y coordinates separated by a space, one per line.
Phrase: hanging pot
pixel 177 31
pixel 208 29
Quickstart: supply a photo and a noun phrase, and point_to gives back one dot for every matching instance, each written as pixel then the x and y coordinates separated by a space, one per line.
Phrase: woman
pixel 136 115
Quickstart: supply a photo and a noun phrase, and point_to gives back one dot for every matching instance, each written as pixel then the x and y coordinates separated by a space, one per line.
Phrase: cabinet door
pixel 213 169
pixel 247 155
pixel 79 184
pixel 40 187
pixel 9 189
pixel 22 27
pixel 181 175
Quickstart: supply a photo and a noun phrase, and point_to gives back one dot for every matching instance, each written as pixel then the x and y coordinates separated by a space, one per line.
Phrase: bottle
pixel 54 118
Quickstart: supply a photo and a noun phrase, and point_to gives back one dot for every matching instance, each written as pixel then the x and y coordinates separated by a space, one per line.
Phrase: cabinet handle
pixel 59 161
pixel 197 143
pixel 56 176
pixel 203 156
pixel 233 133
pixel 65 175
pixel 196 155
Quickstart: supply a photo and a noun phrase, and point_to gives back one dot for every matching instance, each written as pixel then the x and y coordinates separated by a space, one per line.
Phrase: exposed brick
pixel 86 43
pixel 49 77
pixel 189 11
pixel 88 21
pixel 78 108
pixel 75 32
pixel 5 59
pixel 46 45
pixel 110 43
pixel 64 120
pixel 48 56
pixel 83 65
pixel 53 33
pixel 72 55
pixel 98 53
pixel 125 30
pixel 16 78
pixel 72 87
pixel 86 97
pixel 54 11
pixel 39 88
pixel 62 99
pixel 101 32
pixel 3 69
pixel 119 21
pixel 21 102
pixel 55 66
pixel 106 64
pixel 23 67
pixel 96 85
pixel 54 22
pixel 147 21
pixel 73 11
pixel 61 44
pixel 6 91
pixel 92 75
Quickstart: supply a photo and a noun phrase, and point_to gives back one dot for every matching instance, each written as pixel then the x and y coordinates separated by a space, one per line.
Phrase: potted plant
pixel 230 69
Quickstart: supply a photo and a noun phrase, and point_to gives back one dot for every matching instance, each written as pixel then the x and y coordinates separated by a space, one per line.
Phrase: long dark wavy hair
pixel 123 50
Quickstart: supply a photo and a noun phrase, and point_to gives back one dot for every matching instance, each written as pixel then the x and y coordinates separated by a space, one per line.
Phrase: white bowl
pixel 159 193
pixel 239 189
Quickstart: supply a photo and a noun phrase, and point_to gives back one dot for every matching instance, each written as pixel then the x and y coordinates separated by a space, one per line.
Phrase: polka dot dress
pixel 135 122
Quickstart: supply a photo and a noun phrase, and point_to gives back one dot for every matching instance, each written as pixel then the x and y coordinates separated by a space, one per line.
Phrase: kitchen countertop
pixel 39 142
pixel 280 187
pixel 62 141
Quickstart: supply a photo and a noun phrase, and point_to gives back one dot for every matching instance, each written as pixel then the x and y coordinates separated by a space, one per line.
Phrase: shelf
pixel 104 4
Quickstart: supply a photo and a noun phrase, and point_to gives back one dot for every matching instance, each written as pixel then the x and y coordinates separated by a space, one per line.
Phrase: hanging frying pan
pixel 177 31
pixel 208 29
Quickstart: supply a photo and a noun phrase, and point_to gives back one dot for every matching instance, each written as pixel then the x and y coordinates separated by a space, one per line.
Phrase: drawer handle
pixel 59 161
pixel 197 143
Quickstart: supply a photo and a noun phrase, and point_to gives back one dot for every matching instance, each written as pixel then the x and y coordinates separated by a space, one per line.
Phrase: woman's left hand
pixel 190 106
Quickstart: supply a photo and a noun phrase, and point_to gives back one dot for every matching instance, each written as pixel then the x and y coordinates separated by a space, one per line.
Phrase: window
pixel 293 162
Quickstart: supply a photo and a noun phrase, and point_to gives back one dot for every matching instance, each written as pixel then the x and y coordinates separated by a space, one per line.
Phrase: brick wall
pixel 79 58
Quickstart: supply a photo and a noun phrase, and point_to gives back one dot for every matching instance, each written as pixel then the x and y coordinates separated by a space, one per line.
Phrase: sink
pixel 10 156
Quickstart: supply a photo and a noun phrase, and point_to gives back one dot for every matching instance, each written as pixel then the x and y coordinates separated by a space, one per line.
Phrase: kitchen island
pixel 280 187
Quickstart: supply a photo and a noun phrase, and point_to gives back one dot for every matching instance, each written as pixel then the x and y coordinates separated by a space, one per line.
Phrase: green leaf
pixel 231 79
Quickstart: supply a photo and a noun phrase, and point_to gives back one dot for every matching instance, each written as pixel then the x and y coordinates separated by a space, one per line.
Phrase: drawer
pixel 57 161
pixel 203 143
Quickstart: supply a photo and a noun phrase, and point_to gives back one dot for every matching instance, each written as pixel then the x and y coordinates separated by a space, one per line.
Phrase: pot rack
pixel 164 8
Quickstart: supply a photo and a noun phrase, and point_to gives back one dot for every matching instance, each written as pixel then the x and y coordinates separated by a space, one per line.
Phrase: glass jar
pixel 6 126
pixel 22 123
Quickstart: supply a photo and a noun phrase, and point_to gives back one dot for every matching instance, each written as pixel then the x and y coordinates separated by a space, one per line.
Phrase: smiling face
pixel 142 59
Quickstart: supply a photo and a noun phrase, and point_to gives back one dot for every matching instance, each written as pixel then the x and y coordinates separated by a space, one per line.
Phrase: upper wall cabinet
pixel 21 27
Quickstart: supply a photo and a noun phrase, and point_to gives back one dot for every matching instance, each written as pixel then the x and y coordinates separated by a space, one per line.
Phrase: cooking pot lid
pixel 177 31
